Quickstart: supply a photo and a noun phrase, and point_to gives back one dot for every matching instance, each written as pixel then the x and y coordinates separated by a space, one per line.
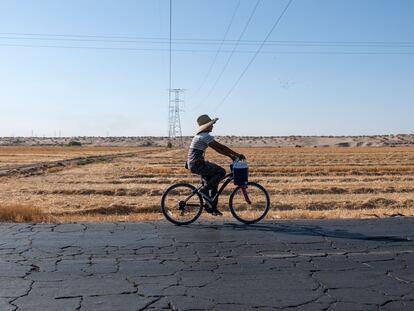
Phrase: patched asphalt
pixel 294 265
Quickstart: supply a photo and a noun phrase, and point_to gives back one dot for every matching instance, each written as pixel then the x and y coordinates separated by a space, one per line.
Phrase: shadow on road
pixel 305 230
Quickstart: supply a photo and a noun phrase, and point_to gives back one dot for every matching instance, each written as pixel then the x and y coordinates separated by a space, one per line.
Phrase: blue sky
pixel 86 87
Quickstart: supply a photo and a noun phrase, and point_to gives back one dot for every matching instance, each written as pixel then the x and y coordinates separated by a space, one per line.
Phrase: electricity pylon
pixel 174 122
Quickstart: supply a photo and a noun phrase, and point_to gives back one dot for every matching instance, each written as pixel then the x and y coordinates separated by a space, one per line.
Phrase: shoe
pixel 212 210
pixel 216 212
pixel 208 208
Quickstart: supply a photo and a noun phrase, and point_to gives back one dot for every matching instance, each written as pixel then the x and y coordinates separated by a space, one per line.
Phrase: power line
pixel 79 36
pixel 229 42
pixel 202 51
pixel 231 54
pixel 219 49
pixel 200 41
pixel 255 55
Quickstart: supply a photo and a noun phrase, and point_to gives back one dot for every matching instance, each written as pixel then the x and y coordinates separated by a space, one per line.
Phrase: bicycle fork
pixel 246 195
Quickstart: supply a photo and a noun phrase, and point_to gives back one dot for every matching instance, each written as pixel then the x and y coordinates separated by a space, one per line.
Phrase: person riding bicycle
pixel 210 172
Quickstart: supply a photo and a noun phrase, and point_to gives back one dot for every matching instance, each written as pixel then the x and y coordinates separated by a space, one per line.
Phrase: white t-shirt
pixel 199 145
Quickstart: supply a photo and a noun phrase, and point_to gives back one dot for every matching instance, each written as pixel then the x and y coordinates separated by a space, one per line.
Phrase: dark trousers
pixel 210 172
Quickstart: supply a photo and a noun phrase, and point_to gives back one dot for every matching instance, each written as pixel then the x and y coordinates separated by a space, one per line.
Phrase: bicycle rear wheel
pixel 181 204
pixel 249 204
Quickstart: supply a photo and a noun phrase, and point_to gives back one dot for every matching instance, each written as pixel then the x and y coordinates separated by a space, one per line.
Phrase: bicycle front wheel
pixel 181 204
pixel 249 204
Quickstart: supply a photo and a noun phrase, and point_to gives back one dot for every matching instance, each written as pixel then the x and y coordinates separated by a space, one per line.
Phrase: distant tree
pixel 74 143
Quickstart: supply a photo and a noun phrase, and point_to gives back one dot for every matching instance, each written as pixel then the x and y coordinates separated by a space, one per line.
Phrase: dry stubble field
pixel 327 182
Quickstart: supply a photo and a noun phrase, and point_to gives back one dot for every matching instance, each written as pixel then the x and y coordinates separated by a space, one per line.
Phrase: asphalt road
pixel 299 265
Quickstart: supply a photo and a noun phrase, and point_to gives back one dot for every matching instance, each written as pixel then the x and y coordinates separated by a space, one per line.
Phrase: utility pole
pixel 174 121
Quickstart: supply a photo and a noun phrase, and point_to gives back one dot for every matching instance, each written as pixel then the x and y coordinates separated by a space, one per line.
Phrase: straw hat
pixel 204 121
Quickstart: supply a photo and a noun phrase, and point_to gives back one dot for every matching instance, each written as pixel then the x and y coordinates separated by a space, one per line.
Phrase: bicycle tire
pixel 165 208
pixel 263 211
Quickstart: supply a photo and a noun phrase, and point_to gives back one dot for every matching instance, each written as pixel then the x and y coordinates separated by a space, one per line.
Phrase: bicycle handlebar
pixel 237 159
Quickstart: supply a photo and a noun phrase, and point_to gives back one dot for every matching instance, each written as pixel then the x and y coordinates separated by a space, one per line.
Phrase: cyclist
pixel 210 172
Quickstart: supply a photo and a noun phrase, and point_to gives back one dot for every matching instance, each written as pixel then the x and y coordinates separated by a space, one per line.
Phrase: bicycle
pixel 182 204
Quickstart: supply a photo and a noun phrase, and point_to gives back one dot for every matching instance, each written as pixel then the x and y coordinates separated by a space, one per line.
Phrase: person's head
pixel 205 124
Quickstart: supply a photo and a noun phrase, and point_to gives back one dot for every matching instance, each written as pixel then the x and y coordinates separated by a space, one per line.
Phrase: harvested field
pixel 11 155
pixel 126 183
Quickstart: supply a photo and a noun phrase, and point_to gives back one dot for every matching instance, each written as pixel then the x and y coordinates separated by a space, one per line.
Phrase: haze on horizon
pixel 100 68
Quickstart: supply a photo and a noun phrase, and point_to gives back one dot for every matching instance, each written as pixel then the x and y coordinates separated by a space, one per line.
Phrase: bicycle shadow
pixel 313 230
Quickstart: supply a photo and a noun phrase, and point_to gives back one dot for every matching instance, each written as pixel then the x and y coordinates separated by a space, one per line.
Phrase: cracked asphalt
pixel 297 265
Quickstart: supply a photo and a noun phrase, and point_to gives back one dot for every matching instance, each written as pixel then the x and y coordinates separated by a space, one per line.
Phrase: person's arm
pixel 224 150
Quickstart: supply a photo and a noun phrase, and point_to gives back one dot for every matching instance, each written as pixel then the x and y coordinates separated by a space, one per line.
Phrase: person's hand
pixel 241 156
